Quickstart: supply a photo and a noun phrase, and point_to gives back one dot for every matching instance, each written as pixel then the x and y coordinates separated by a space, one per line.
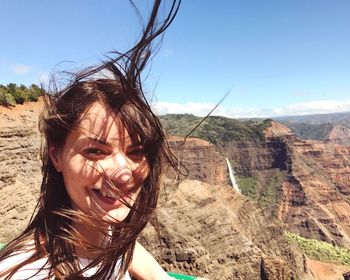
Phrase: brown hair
pixel 51 224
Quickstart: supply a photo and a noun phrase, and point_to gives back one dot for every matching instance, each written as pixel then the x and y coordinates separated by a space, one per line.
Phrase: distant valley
pixel 330 127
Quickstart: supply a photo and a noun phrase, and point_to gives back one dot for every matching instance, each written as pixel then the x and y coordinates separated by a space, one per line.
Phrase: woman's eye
pixel 136 152
pixel 93 152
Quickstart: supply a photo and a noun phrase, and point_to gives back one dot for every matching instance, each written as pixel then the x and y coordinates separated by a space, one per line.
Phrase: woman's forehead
pixel 99 122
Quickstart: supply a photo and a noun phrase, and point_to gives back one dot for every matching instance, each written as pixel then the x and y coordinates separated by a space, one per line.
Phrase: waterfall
pixel 232 176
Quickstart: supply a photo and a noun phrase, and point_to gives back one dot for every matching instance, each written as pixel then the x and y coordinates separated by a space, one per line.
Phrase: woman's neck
pixel 92 236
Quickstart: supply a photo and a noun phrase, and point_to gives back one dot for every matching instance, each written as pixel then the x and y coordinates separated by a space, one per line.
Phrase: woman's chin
pixel 116 215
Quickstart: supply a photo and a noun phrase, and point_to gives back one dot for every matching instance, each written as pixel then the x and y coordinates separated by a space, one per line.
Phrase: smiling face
pixel 102 167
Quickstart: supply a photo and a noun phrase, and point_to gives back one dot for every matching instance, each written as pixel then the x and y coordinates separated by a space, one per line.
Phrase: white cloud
pixel 20 69
pixel 201 109
pixel 314 107
pixel 195 108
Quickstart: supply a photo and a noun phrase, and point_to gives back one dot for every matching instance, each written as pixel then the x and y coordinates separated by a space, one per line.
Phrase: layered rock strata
pixel 315 195
pixel 217 233
pixel 19 168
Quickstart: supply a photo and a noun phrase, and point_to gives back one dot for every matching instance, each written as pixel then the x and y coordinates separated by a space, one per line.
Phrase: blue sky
pixel 276 57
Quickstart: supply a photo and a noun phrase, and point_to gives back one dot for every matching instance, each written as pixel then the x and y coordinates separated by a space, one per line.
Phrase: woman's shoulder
pixel 37 269
pixel 40 269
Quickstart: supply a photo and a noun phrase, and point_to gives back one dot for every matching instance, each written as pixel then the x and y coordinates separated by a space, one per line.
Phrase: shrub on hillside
pixel 34 93
pixel 248 186
pixel 13 94
pixel 216 130
pixel 20 96
pixel 319 250
pixel 6 99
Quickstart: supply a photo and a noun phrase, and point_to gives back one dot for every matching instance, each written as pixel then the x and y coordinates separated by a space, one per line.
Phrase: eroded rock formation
pixel 218 233
pixel 315 193
pixel 312 198
pixel 19 168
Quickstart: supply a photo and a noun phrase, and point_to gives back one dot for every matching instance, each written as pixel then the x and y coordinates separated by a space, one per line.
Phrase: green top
pixel 181 276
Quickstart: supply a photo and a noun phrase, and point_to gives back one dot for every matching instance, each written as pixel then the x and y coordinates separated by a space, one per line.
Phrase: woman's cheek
pixel 83 167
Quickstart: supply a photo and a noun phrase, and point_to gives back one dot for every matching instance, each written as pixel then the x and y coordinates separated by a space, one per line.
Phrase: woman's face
pixel 99 152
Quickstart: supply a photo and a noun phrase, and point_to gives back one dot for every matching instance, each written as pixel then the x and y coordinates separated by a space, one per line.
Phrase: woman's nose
pixel 119 171
pixel 121 175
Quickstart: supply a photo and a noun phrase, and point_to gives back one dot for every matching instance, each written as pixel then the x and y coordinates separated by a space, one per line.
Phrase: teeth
pixel 108 194
pixel 103 192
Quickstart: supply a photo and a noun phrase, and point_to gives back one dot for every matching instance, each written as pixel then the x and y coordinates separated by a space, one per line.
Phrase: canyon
pixel 311 196
pixel 202 225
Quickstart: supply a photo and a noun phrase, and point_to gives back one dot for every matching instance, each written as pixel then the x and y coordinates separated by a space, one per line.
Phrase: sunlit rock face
pixel 20 174
pixel 200 160
pixel 217 233
pixel 315 196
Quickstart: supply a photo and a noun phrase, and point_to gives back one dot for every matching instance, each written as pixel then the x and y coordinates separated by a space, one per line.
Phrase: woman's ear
pixel 54 155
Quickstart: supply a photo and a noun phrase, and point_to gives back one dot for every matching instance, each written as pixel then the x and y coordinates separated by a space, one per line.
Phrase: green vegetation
pixel 13 94
pixel 217 130
pixel 320 250
pixel 248 186
pixel 268 199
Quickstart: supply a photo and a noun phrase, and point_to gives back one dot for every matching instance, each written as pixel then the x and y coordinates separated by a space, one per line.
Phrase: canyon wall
pixel 312 197
pixel 315 195
pixel 20 175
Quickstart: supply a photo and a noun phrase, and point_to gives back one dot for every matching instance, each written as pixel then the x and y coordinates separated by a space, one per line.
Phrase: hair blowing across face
pixel 51 225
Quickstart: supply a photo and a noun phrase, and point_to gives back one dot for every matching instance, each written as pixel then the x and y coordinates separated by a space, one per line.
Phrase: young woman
pixel 102 159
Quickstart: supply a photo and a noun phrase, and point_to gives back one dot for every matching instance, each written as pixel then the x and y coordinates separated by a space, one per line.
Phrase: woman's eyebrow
pixel 100 140
pixel 103 141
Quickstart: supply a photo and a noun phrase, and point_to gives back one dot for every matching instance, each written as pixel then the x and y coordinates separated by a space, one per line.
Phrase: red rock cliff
pixel 314 200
